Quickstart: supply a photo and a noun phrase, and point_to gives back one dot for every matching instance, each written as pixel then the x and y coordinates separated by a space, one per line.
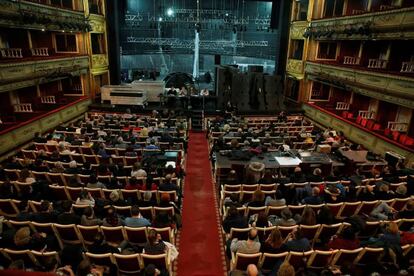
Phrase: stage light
pixel 227 14
pixel 170 12
pixel 160 19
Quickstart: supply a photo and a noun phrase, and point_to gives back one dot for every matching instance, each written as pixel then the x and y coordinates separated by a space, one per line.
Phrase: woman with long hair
pixel 308 217
pixel 273 243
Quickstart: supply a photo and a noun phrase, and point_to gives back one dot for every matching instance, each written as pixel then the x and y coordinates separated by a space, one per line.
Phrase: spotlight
pixel 160 19
pixel 170 12
pixel 43 29
pixel 227 14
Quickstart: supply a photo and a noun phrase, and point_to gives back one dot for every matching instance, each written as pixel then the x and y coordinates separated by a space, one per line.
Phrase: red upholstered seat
pixel 409 141
pixel 358 120
pixel 364 122
pixel 370 124
pixel 376 127
pixel 395 135
pixel 401 138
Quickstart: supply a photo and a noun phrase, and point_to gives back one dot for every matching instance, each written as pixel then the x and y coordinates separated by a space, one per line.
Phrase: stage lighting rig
pixel 170 12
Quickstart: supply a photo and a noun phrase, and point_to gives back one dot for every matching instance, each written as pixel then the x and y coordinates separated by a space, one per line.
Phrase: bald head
pixel 252 270
pixel 315 191
pixel 252 234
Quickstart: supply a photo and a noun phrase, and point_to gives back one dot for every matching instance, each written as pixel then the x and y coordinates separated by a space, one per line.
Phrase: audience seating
pixel 317 259
pixel 79 234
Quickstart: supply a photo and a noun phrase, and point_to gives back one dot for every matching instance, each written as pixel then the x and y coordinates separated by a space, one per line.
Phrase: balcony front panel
pixel 355 133
pixel 381 25
pixel 23 74
pixel 24 133
pixel 23 14
pixel 294 66
pixel 387 87
pixel 97 22
pixel 99 63
pixel 297 29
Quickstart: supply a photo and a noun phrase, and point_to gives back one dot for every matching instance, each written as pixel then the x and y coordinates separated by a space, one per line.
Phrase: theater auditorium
pixel 206 137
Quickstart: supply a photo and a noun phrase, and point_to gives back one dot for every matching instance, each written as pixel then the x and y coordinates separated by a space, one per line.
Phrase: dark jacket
pixel 234 222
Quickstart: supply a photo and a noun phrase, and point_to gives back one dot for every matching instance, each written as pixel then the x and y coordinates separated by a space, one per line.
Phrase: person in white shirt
pixel 102 132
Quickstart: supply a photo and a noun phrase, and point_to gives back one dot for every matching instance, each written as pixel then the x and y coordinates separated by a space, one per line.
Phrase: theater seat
pixel 242 261
pixel 409 141
pixel 395 135
pixel 128 264
pixel 402 139
pixel 364 122
pixel 370 124
pixel 376 127
pixel 161 261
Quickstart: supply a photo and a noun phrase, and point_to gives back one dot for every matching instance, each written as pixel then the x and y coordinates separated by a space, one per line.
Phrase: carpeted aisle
pixel 200 246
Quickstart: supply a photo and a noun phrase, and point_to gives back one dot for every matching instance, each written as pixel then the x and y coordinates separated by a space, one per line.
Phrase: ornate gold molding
pixel 387 87
pixel 98 23
pixel 23 134
pixel 294 66
pixel 22 74
pixel 297 29
pixel 25 14
pixel 391 24
pixel 99 61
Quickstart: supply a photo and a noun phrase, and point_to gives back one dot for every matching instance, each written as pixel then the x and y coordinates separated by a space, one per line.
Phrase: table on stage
pixel 277 160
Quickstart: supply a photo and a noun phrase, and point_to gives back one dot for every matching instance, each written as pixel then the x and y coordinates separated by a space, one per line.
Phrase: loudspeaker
pixel 274 17
pixel 217 59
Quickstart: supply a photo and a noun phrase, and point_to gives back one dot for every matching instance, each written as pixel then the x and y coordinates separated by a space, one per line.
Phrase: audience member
pixel 249 246
pixel 68 217
pixel 136 220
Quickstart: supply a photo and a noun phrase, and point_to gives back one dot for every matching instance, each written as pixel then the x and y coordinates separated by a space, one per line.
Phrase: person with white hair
pixel 73 167
pixel 255 172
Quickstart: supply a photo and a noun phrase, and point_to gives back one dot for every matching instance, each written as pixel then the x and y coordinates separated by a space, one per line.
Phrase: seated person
pixel 204 92
pixel 330 139
pixel 249 246
pixel 408 211
pixel 172 91
pixel 346 240
pixel 136 220
pixel 155 245
pixel 314 199
pixel 286 218
pixel 234 220
pixel 68 217
pixel 297 242
pixel 183 92
pixel 383 212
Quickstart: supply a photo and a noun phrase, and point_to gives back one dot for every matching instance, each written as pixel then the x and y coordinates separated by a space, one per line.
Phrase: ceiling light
pixel 170 12
pixel 160 19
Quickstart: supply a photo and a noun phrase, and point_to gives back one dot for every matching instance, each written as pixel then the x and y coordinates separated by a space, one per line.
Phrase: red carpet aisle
pixel 200 247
